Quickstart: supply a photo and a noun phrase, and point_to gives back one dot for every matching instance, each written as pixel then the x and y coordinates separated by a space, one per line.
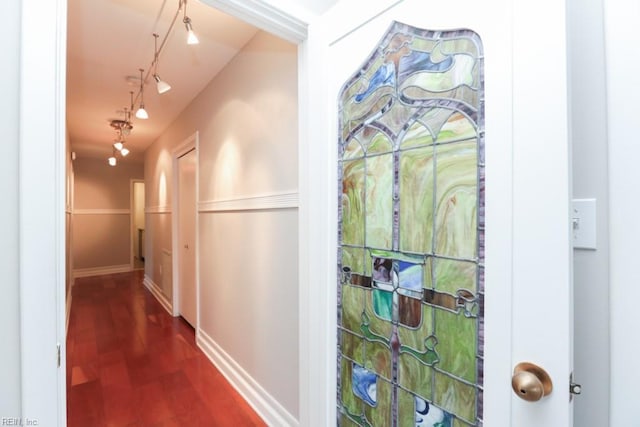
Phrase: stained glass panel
pixel 411 233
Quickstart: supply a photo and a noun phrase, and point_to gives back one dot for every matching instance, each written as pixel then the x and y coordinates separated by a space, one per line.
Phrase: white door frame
pixel 191 143
pixel 42 210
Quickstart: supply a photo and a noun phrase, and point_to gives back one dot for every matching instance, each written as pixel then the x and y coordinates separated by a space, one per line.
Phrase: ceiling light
pixel 142 113
pixel 118 145
pixel 191 36
pixel 113 161
pixel 124 152
pixel 162 85
pixel 122 126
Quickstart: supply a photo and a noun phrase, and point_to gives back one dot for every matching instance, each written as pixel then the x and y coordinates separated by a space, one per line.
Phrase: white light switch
pixel 583 221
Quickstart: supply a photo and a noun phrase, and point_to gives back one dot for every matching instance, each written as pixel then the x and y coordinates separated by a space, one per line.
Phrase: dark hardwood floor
pixel 131 364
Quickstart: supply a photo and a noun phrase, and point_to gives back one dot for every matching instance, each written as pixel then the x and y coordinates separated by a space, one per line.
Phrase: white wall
pixel 10 389
pixel 623 90
pixel 590 180
pixel 247 123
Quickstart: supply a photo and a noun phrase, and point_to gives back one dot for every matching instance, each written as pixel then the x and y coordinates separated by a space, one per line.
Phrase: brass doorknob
pixel 530 382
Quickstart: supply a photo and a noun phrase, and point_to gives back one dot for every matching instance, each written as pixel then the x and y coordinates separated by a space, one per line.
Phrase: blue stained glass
pixel 364 384
pixel 410 276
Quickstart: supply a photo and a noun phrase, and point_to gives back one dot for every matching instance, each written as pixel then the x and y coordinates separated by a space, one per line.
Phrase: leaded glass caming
pixel 411 233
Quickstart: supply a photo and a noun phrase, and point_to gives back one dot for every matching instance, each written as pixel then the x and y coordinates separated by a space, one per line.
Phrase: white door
pixel 187 296
pixel 450 140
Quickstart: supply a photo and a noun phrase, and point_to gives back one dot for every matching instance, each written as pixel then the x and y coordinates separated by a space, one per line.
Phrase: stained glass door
pixel 411 232
pixel 438 238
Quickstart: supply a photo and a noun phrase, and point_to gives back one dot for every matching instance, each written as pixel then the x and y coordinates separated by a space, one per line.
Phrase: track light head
pixel 124 152
pixel 142 113
pixel 161 84
pixel 118 145
pixel 191 36
pixel 112 161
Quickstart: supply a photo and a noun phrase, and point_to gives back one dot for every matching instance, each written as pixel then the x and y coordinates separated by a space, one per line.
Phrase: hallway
pixel 131 364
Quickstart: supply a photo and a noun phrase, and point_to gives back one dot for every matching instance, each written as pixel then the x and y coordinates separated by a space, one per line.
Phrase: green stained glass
pixel 345 421
pixel 417 135
pixel 416 200
pixel 406 405
pixel 377 325
pixel 459 423
pixel 349 400
pixel 353 150
pixel 414 338
pixel 452 275
pixel 457 128
pixel 378 359
pixel 379 144
pixel 353 347
pixel 379 206
pixel 457 200
pixel 354 258
pixel 411 228
pixel 383 304
pixel 455 397
pixel 381 414
pixel 414 375
pixel 353 301
pixel 456 344
pixel 353 208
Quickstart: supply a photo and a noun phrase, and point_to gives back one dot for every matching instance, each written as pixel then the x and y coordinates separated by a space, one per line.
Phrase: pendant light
pixel 191 36
pixel 162 86
pixel 142 113
pixel 112 160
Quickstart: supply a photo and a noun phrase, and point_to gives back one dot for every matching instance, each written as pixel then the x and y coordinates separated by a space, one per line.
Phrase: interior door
pixel 187 295
pixel 454 255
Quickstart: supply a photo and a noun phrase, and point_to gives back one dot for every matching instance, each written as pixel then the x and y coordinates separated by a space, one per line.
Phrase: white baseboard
pixel 271 411
pixel 99 271
pixel 157 292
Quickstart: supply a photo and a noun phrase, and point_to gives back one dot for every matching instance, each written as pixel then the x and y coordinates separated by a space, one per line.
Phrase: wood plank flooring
pixel 130 364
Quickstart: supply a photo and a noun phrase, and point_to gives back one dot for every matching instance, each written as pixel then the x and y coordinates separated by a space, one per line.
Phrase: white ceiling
pixel 109 40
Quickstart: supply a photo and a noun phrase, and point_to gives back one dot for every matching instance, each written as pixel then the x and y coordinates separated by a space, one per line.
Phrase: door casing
pixel 189 144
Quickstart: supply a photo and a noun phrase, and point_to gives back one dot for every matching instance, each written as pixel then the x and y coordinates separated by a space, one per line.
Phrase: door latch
pixel 575 389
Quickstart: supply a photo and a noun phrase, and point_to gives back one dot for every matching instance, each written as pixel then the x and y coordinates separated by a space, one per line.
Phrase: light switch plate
pixel 583 222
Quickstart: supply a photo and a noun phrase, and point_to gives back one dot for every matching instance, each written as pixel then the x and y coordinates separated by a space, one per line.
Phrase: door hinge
pixel 575 389
pixel 58 345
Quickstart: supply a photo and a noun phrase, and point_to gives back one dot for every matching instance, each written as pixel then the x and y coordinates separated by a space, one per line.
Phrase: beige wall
pixel 247 123
pixel 101 220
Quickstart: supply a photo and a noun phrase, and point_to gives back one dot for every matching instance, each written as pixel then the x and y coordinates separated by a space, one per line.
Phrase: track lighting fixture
pixel 191 36
pixel 124 127
pixel 142 113
pixel 161 84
